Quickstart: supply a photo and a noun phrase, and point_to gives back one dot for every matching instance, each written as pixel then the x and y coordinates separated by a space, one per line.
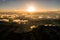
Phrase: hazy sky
pixel 22 4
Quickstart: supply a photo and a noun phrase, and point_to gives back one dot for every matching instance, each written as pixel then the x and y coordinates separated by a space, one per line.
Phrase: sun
pixel 31 9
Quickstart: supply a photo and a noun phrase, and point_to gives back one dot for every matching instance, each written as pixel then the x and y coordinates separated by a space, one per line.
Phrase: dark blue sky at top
pixel 20 4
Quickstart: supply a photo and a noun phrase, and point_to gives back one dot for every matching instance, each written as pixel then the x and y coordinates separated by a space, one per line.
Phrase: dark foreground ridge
pixel 39 33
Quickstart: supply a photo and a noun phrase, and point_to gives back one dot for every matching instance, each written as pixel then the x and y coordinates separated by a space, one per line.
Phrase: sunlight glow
pixel 31 9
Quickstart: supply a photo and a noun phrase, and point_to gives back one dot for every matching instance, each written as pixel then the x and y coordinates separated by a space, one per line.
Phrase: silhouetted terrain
pixel 40 33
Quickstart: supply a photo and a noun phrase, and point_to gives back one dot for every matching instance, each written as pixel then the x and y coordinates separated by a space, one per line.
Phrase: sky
pixel 23 4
